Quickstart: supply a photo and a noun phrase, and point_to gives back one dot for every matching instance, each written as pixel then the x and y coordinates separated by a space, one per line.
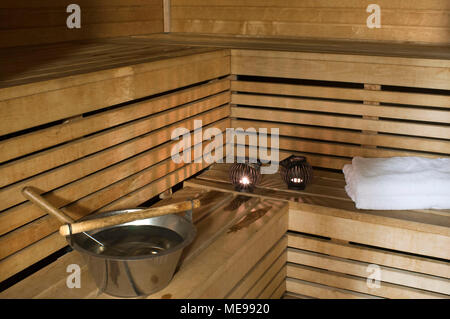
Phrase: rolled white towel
pixel 399 182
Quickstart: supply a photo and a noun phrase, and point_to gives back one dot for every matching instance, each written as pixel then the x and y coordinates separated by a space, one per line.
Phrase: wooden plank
pixel 38 250
pixel 356 49
pixel 54 276
pixel 279 291
pixel 347 136
pixel 389 4
pixel 31 232
pixel 327 31
pixel 30 255
pixel 53 17
pixel 386 111
pixel 330 15
pixel 26 212
pixel 334 149
pixel 88 165
pixel 167 15
pixel 34 141
pixel 396 127
pixel 211 227
pixel 84 3
pixel 319 291
pixel 226 281
pixel 304 66
pixel 357 284
pixel 243 287
pixel 371 255
pixel 217 269
pixel 139 82
pixel 264 287
pixel 356 268
pixel 34 36
pixel 54 157
pixel 421 99
pixel 404 236
pixel 276 281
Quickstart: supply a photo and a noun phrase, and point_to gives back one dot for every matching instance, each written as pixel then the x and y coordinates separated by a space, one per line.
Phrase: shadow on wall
pixel 36 22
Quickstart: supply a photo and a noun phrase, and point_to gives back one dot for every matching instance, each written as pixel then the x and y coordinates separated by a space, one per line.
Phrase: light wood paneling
pixel 411 21
pixel 116 157
pixel 38 22
pixel 325 111
pixel 407 72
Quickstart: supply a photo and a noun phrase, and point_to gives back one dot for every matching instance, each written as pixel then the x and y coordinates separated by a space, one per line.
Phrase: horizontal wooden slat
pixel 309 15
pixel 414 21
pixel 352 226
pixel 63 175
pixel 347 136
pixel 314 290
pixel 357 284
pixel 37 163
pixel 23 236
pixel 305 30
pixel 28 24
pixel 371 255
pixel 335 149
pixel 276 269
pixel 139 82
pixel 34 141
pixel 35 36
pixel 415 114
pixel 326 67
pixel 88 165
pixel 391 4
pixel 37 251
pixel 342 93
pixel 257 271
pixel 84 3
pixel 274 284
pixel 45 17
pixel 396 127
pixel 356 268
pixel 279 291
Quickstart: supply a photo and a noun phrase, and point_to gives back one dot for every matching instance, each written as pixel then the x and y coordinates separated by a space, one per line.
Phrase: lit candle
pixel 244 180
pixel 296 180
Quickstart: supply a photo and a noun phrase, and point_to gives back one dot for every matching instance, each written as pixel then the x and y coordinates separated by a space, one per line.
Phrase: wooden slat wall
pixel 325 108
pixel 26 22
pixel 113 158
pixel 335 268
pixel 405 21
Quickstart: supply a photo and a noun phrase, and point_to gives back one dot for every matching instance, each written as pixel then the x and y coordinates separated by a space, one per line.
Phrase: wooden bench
pixel 331 245
pixel 89 123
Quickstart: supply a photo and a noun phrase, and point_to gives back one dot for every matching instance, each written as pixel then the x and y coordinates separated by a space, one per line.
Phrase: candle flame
pixel 244 180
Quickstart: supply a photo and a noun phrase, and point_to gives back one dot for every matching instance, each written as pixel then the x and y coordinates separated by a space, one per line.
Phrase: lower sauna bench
pixel 336 251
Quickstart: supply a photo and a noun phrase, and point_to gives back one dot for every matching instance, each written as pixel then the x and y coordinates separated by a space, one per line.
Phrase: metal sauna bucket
pixel 140 257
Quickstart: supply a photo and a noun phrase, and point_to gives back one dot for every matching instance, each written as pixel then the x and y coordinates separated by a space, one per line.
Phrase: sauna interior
pixel 91 94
